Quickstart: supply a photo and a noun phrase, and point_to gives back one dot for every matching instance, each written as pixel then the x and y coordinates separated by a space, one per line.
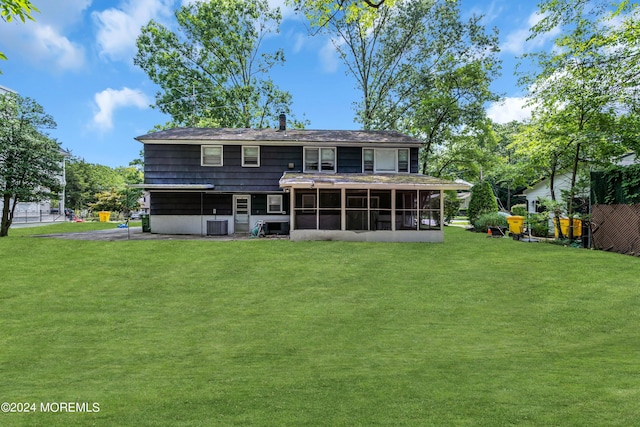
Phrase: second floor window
pixel 250 155
pixel 385 160
pixel 212 155
pixel 319 159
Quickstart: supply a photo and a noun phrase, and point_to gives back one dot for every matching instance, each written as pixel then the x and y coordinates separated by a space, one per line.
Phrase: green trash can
pixel 146 223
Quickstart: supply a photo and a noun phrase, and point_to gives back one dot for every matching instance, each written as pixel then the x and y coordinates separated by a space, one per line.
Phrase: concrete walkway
pixel 135 233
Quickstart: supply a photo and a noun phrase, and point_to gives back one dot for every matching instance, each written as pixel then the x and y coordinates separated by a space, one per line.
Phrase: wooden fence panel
pixel 616 228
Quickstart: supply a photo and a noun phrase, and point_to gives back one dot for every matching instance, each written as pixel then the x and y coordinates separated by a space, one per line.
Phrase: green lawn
pixel 472 332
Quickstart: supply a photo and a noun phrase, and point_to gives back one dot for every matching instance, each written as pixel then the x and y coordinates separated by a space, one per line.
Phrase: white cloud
pixel 119 27
pixel 111 99
pixel 299 41
pixel 328 54
pixel 65 54
pixel 516 42
pixel 509 109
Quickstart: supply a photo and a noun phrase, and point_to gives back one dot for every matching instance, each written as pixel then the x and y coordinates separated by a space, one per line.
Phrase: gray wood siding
pixel 175 203
pixel 349 159
pixel 191 203
pixel 259 204
pixel 181 164
pixel 197 203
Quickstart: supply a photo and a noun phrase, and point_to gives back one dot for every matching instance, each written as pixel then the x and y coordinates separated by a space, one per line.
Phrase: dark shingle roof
pixel 274 135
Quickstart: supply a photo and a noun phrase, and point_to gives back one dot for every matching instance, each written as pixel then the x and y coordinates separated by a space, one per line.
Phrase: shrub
pixel 539 224
pixel 482 201
pixel 520 210
pixel 451 205
pixel 492 219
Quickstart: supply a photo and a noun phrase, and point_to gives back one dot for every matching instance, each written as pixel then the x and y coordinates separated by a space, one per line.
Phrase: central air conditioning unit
pixel 217 228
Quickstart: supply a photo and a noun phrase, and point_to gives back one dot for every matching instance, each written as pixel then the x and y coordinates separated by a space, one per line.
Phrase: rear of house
pixel 311 184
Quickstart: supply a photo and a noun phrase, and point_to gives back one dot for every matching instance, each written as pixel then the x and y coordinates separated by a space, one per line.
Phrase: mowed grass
pixel 472 332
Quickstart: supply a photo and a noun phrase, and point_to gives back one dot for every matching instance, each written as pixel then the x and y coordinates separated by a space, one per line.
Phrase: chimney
pixel 283 121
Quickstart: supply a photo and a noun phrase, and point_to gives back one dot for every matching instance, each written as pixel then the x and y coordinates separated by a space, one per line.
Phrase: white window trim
pixel 335 159
pixel 397 160
pixel 202 148
pixel 244 165
pixel 373 160
pixel 269 210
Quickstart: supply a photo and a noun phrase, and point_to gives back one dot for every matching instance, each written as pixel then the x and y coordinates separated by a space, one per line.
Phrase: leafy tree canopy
pixel 212 70
pixel 30 161
pixel 420 69
pixel 88 182
pixel 321 12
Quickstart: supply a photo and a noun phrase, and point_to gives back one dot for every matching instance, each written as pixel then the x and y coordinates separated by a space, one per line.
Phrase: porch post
pixel 343 210
pixel 393 209
pixel 317 209
pixel 441 209
pixel 418 211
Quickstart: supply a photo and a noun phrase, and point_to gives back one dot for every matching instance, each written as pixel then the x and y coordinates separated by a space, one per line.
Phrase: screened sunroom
pixel 363 207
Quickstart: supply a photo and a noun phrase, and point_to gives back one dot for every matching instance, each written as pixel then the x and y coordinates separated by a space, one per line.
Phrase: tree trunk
pixel 572 189
pixel 556 214
pixel 7 216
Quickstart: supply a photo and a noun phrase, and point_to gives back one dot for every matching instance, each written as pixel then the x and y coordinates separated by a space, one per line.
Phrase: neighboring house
pixel 562 183
pixel 45 211
pixel 541 190
pixel 311 184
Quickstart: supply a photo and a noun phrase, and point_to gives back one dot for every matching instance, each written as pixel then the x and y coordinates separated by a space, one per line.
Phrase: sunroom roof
pixel 379 181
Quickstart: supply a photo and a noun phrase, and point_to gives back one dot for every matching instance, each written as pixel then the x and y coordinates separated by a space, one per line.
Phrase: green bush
pixel 482 201
pixel 520 210
pixel 451 205
pixel 492 219
pixel 539 224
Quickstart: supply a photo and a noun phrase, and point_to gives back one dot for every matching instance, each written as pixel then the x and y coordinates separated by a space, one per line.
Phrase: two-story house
pixel 311 184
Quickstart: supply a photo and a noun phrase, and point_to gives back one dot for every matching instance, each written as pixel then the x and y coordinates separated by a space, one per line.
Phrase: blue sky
pixel 76 60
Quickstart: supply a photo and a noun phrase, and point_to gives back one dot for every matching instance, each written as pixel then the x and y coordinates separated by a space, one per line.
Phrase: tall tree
pixel 585 92
pixel 212 70
pixel 30 161
pixel 420 69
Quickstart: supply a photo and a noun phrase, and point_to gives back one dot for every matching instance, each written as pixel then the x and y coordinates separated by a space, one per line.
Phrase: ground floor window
pixel 274 203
